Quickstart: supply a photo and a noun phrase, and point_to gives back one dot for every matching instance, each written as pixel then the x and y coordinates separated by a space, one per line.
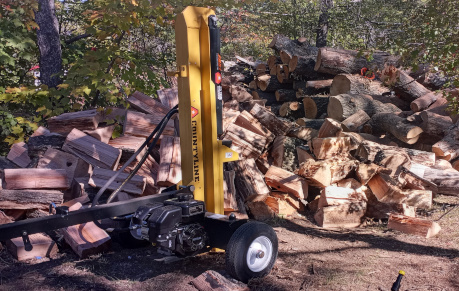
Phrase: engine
pixel 174 226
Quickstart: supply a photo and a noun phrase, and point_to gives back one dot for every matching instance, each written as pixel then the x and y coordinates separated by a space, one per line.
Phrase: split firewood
pixel 128 146
pixel 169 171
pixel 413 181
pixel 333 195
pixel 359 138
pixel 282 73
pixel 303 154
pixel 39 144
pixel 355 121
pixel 42 246
pixel 455 164
pixel 86 239
pixel 29 199
pixel 249 180
pixel 280 206
pixel 283 152
pixel 447 181
pixel 149 171
pixel 408 88
pixel 91 150
pixel 303 133
pixel 4 219
pixel 325 172
pixel 229 190
pixel 103 134
pixel 18 154
pixel 100 176
pixel 273 61
pixel 270 83
pixel 247 121
pixel 330 128
pixel 411 225
pixel 365 172
pixel 231 105
pixel 82 120
pixel 287 182
pixel 229 116
pixel 140 124
pixel 263 163
pixel 310 123
pixel 146 104
pixel 261 69
pixel 253 86
pixel 448 147
pixel 270 97
pixel 338 61
pixel 240 94
pixel 315 106
pixel 247 143
pixel 381 210
pixel 56 159
pixel 291 200
pixel 292 110
pixel 345 215
pixel 41 131
pixel 248 105
pixel 259 210
pixel 269 120
pixel 356 84
pixel 35 179
pixel 325 148
pixel 168 97
pixel 113 115
pixel 343 106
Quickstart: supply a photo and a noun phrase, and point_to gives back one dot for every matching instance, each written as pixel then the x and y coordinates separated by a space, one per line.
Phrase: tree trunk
pixel 322 30
pixel 397 126
pixel 269 83
pixel 356 84
pixel 48 43
pixel 408 89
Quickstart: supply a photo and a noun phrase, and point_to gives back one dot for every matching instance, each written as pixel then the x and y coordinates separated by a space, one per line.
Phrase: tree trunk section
pixel 356 84
pixel 355 121
pixel 397 126
pixel 315 107
pixel 408 89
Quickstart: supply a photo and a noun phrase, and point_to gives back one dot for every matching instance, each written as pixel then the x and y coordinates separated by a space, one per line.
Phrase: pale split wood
pixel 319 84
pixel 412 225
pixel 147 104
pixel 168 97
pixel 247 143
pixel 91 150
pixel 247 121
pixel 269 120
pixel 229 191
pixel 287 182
pixel 330 128
pixel 41 131
pixel 325 172
pixel 348 215
pixel 325 148
pixel 42 246
pixel 355 121
pixel 334 195
pixel 103 134
pixel 213 281
pixel 249 180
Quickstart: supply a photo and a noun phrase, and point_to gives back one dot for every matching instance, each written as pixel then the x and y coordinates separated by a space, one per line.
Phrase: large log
pixel 287 182
pixel 448 147
pixel 18 154
pixel 411 225
pixel 447 181
pixel 82 120
pixel 249 180
pixel 269 120
pixel 91 150
pixel 269 83
pixel 425 101
pixel 436 124
pixel 315 106
pixel 338 61
pixel 35 179
pixel 100 177
pixel 146 104
pixel 397 126
pixel 140 124
pixel 292 47
pixel 356 84
pixel 408 89
pixel 29 199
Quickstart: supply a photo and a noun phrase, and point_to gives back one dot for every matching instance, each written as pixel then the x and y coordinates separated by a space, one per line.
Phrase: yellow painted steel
pixel 203 154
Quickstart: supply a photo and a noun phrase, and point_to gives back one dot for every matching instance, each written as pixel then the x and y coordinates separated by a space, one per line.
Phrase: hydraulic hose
pixel 160 126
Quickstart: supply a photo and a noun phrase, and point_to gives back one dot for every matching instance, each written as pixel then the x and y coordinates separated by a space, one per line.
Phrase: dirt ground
pixel 310 258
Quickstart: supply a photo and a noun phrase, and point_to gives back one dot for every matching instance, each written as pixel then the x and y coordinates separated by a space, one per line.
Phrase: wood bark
pixel 292 110
pixel 285 95
pixel 91 150
pixel 397 126
pixel 310 123
pixel 355 121
pixel 425 101
pixel 342 106
pixel 269 83
pixel 29 199
pixel 356 84
pixel 247 143
pixel 411 225
pixel 249 180
pixel 49 44
pixel 249 122
pixel 338 61
pixel 322 30
pixel 229 191
pixel 408 89
pixel 35 179
pixel 146 104
pixel 436 124
pixel 315 106
pixel 82 120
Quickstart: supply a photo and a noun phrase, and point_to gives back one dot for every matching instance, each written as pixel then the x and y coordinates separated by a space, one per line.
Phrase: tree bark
pixel 322 30
pixel 356 84
pixel 48 43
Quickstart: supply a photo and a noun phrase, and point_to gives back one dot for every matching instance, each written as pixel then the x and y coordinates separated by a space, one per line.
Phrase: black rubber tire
pixel 238 246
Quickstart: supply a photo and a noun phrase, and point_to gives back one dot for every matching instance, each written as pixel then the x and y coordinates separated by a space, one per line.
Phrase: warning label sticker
pixel 194 112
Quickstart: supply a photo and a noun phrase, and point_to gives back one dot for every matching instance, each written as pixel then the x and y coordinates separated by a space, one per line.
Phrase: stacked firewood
pixel 68 162
pixel 352 137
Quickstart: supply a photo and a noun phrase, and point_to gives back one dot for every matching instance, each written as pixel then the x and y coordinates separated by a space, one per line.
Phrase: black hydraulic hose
pixel 95 201
pixel 161 126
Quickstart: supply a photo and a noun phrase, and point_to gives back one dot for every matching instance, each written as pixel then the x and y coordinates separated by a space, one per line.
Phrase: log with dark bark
pixel 29 199
pixel 310 123
pixel 247 143
pixel 269 83
pixel 292 110
pixel 397 126
pixel 436 124
pixel 355 121
pixel 249 180
pixel 408 89
pixel 356 84
pixel 240 94
pixel 342 106
pixel 285 95
pixel 315 106
pixel 270 97
pixel 292 47
pixel 338 61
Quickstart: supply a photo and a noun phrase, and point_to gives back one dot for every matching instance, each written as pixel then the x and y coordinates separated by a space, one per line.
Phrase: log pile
pixel 67 163
pixel 368 141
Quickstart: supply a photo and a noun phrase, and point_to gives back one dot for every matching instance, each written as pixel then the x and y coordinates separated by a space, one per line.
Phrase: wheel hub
pixel 259 254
